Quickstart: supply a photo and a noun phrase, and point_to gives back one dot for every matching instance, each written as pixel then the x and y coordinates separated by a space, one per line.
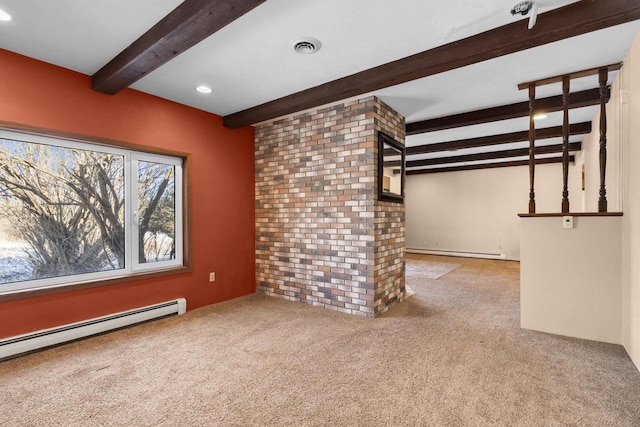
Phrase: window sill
pixel 31 293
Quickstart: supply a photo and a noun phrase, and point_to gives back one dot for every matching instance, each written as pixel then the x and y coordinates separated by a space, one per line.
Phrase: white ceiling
pixel 250 62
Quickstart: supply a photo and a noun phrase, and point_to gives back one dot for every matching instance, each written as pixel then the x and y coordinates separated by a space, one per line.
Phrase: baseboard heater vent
pixel 28 343
pixel 463 254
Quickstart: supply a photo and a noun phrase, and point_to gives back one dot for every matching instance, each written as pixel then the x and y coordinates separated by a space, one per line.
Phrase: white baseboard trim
pixel 462 254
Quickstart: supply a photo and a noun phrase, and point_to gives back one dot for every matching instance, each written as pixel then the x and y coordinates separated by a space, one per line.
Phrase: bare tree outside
pixel 64 209
pixel 156 202
pixel 66 204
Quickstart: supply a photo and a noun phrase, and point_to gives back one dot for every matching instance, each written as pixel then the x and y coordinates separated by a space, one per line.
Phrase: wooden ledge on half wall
pixel 548 215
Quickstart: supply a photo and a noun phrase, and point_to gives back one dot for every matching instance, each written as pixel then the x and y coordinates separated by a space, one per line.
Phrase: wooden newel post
pixel 602 201
pixel 565 145
pixel 532 149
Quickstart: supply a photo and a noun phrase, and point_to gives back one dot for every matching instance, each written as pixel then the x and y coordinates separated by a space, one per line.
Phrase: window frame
pixel 132 271
pixel 133 215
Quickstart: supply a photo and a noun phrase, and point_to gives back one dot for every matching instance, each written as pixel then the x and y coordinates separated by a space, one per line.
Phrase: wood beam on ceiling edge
pixel 187 25
pixel 580 99
pixel 487 166
pixel 505 138
pixel 558 24
pixel 492 155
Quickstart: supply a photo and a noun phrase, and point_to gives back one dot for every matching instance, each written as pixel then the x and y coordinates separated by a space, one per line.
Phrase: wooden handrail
pixel 560 214
pixel 574 75
pixel 603 75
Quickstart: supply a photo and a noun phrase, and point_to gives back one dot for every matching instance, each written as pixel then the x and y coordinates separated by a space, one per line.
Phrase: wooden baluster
pixel 565 145
pixel 532 148
pixel 602 201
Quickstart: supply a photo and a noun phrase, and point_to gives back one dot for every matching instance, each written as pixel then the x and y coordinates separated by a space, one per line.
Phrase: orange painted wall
pixel 222 188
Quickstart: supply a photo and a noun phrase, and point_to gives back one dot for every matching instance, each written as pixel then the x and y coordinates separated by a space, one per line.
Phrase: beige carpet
pixel 429 269
pixel 450 355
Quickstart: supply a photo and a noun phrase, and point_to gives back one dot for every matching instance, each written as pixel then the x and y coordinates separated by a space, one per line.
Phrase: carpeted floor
pixel 429 270
pixel 451 355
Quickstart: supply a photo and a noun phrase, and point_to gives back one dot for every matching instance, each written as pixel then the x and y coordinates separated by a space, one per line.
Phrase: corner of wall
pixel 322 238
pixel 629 76
pixel 390 225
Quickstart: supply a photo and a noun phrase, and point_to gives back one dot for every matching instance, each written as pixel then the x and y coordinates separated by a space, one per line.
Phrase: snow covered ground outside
pixel 15 266
pixel 14 262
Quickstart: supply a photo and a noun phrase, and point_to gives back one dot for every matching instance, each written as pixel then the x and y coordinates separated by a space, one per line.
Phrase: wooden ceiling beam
pixel 187 25
pixel 493 155
pixel 580 99
pixel 488 166
pixel 505 138
pixel 558 24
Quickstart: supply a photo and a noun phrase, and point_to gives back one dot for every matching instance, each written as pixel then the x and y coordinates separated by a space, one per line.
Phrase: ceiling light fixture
pixel 204 89
pixel 305 45
pixel 540 116
pixel 4 16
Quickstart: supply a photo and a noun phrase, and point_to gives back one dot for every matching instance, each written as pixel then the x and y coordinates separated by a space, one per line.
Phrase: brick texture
pixel 322 237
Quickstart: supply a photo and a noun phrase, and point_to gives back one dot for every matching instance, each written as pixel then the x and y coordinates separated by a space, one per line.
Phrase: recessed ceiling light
pixel 540 116
pixel 305 45
pixel 204 89
pixel 4 16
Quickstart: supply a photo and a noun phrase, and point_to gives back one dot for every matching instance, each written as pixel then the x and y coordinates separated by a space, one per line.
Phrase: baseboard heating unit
pixel 462 254
pixel 18 345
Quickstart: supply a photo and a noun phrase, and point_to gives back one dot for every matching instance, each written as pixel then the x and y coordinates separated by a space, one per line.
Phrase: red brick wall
pixel 321 235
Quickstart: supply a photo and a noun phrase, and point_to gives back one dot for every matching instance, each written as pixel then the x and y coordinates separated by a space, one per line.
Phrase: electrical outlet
pixel 567 222
pixel 212 277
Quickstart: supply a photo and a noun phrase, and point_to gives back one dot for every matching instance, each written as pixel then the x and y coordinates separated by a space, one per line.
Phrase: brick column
pixel 322 237
pixel 390 227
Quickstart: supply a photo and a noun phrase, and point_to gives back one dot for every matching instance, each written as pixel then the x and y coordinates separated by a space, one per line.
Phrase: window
pixel 72 211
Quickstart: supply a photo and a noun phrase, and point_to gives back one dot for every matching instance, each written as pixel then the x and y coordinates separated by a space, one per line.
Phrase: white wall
pixel 477 211
pixel 395 180
pixel 570 279
pixel 539 268
pixel 590 158
pixel 629 86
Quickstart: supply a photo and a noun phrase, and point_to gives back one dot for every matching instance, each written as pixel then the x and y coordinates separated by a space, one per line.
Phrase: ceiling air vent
pixel 305 46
